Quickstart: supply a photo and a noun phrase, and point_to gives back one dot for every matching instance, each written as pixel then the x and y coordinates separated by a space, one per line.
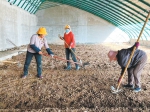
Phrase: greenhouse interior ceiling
pixel 128 15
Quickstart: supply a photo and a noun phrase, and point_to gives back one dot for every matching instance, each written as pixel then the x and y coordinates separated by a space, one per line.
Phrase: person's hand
pixel 70 45
pixel 119 79
pixel 60 37
pixel 40 52
pixel 52 55
pixel 45 54
pixel 137 44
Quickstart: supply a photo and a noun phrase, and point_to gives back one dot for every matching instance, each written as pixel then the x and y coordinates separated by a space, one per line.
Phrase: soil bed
pixel 85 90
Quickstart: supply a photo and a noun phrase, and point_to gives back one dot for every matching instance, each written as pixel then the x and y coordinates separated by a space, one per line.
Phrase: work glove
pixel 52 55
pixel 119 79
pixel 137 44
pixel 40 52
pixel 70 45
pixel 60 37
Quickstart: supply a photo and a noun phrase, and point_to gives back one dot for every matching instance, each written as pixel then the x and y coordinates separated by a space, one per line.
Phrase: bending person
pixel 135 67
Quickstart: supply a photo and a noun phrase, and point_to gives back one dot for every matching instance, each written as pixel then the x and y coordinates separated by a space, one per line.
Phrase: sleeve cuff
pixel 49 51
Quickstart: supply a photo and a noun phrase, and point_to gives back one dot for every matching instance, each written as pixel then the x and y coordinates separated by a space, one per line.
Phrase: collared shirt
pixel 38 42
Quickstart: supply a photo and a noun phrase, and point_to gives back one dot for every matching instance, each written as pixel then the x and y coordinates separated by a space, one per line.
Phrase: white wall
pixel 86 27
pixel 15 24
pixel 18 25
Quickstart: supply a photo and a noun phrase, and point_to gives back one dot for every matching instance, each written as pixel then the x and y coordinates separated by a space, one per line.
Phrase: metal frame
pixel 127 15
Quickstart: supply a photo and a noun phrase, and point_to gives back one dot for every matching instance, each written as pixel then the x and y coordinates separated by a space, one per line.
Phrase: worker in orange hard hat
pixel 37 41
pixel 69 42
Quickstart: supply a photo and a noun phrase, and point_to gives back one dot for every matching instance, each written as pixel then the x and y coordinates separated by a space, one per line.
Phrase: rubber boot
pixel 68 66
pixel 77 67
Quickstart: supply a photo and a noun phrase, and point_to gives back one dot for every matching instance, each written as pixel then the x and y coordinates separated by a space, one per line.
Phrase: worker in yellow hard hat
pixel 37 41
pixel 69 42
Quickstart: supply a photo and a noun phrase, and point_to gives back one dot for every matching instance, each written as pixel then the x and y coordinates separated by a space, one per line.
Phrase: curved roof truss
pixel 128 15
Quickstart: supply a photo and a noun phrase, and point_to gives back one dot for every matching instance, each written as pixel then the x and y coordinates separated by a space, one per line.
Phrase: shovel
pixel 71 49
pixel 116 90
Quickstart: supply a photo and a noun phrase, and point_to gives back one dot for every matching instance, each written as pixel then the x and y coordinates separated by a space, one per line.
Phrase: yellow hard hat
pixel 67 27
pixel 42 30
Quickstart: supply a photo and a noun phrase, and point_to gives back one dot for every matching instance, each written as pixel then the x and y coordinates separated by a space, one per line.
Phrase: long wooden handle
pixel 11 42
pixel 71 49
pixel 66 60
pixel 133 51
pixel 8 62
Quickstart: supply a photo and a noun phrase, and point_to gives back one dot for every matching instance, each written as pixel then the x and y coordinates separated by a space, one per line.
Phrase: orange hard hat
pixel 67 27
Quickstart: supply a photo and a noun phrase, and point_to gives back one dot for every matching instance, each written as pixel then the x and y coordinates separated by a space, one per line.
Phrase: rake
pixel 116 90
pixel 71 50
pixel 82 65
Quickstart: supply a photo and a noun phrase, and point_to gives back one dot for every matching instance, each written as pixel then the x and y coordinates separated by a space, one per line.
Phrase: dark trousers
pixel 38 58
pixel 68 53
pixel 134 74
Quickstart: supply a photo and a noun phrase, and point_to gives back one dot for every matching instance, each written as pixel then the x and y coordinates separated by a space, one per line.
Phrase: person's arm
pixel 47 47
pixel 122 70
pixel 135 45
pixel 49 51
pixel 72 40
pixel 62 38
pixel 32 44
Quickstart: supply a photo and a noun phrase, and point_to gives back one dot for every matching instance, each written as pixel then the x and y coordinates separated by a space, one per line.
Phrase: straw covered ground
pixel 86 90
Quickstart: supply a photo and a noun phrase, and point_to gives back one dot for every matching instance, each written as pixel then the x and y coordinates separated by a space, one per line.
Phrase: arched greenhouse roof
pixel 128 15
